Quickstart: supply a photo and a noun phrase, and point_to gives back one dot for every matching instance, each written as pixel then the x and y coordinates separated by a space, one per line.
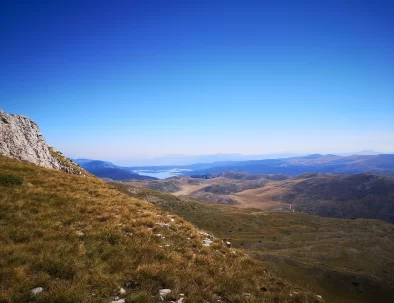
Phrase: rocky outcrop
pixel 66 164
pixel 21 138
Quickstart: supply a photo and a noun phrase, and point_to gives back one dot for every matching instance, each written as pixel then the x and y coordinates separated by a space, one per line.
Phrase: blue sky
pixel 137 79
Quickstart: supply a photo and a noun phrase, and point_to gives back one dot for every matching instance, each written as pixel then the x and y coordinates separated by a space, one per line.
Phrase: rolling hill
pixel 77 239
pixel 343 196
pixel 344 260
pixel 329 195
pixel 67 236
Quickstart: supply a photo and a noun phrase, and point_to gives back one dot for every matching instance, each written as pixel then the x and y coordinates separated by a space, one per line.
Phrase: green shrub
pixel 7 179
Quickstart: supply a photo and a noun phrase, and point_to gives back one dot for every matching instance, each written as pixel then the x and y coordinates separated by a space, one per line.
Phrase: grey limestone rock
pixel 21 138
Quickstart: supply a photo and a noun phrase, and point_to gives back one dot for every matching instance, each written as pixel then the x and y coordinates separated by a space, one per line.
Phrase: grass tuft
pixel 8 179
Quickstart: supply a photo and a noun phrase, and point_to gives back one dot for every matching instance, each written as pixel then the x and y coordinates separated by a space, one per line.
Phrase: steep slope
pixel 21 138
pixel 345 261
pixel 81 241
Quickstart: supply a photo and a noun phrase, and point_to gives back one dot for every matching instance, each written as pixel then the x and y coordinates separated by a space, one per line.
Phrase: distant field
pixel 187 189
pixel 266 198
pixel 263 197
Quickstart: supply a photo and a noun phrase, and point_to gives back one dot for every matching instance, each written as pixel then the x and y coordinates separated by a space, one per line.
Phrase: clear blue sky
pixel 124 79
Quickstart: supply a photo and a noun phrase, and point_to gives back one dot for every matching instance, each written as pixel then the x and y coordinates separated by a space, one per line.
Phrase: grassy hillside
pixel 168 186
pixel 81 240
pixel 343 196
pixel 343 260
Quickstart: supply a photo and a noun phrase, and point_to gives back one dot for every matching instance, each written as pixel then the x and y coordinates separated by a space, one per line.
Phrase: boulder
pixel 21 138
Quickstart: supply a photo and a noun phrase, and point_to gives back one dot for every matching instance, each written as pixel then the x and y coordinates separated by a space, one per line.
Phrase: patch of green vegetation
pixel 8 179
pixel 166 186
pixel 18 168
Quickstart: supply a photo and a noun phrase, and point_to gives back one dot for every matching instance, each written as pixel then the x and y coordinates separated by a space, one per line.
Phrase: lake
pixel 162 174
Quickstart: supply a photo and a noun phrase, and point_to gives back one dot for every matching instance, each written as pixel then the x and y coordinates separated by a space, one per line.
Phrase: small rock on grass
pixel 164 292
pixel 37 290
pixel 122 291
pixel 207 242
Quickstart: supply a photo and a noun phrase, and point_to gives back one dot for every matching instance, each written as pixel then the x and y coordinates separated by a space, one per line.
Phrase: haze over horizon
pixel 180 160
pixel 146 79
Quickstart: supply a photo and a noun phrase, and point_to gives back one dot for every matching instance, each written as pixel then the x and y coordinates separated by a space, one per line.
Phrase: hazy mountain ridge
pixel 104 169
pixel 382 164
pixel 378 164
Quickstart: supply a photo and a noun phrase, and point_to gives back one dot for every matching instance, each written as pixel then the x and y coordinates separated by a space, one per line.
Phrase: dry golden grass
pixel 341 259
pixel 265 198
pixel 81 240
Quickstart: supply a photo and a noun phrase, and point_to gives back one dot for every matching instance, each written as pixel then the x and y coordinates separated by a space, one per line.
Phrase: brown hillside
pixel 82 240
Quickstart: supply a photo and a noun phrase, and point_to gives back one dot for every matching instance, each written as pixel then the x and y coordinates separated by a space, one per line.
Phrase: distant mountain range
pixel 103 169
pixel 381 164
pixel 184 160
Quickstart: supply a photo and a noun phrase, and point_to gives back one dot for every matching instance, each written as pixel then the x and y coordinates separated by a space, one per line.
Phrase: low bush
pixel 7 179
